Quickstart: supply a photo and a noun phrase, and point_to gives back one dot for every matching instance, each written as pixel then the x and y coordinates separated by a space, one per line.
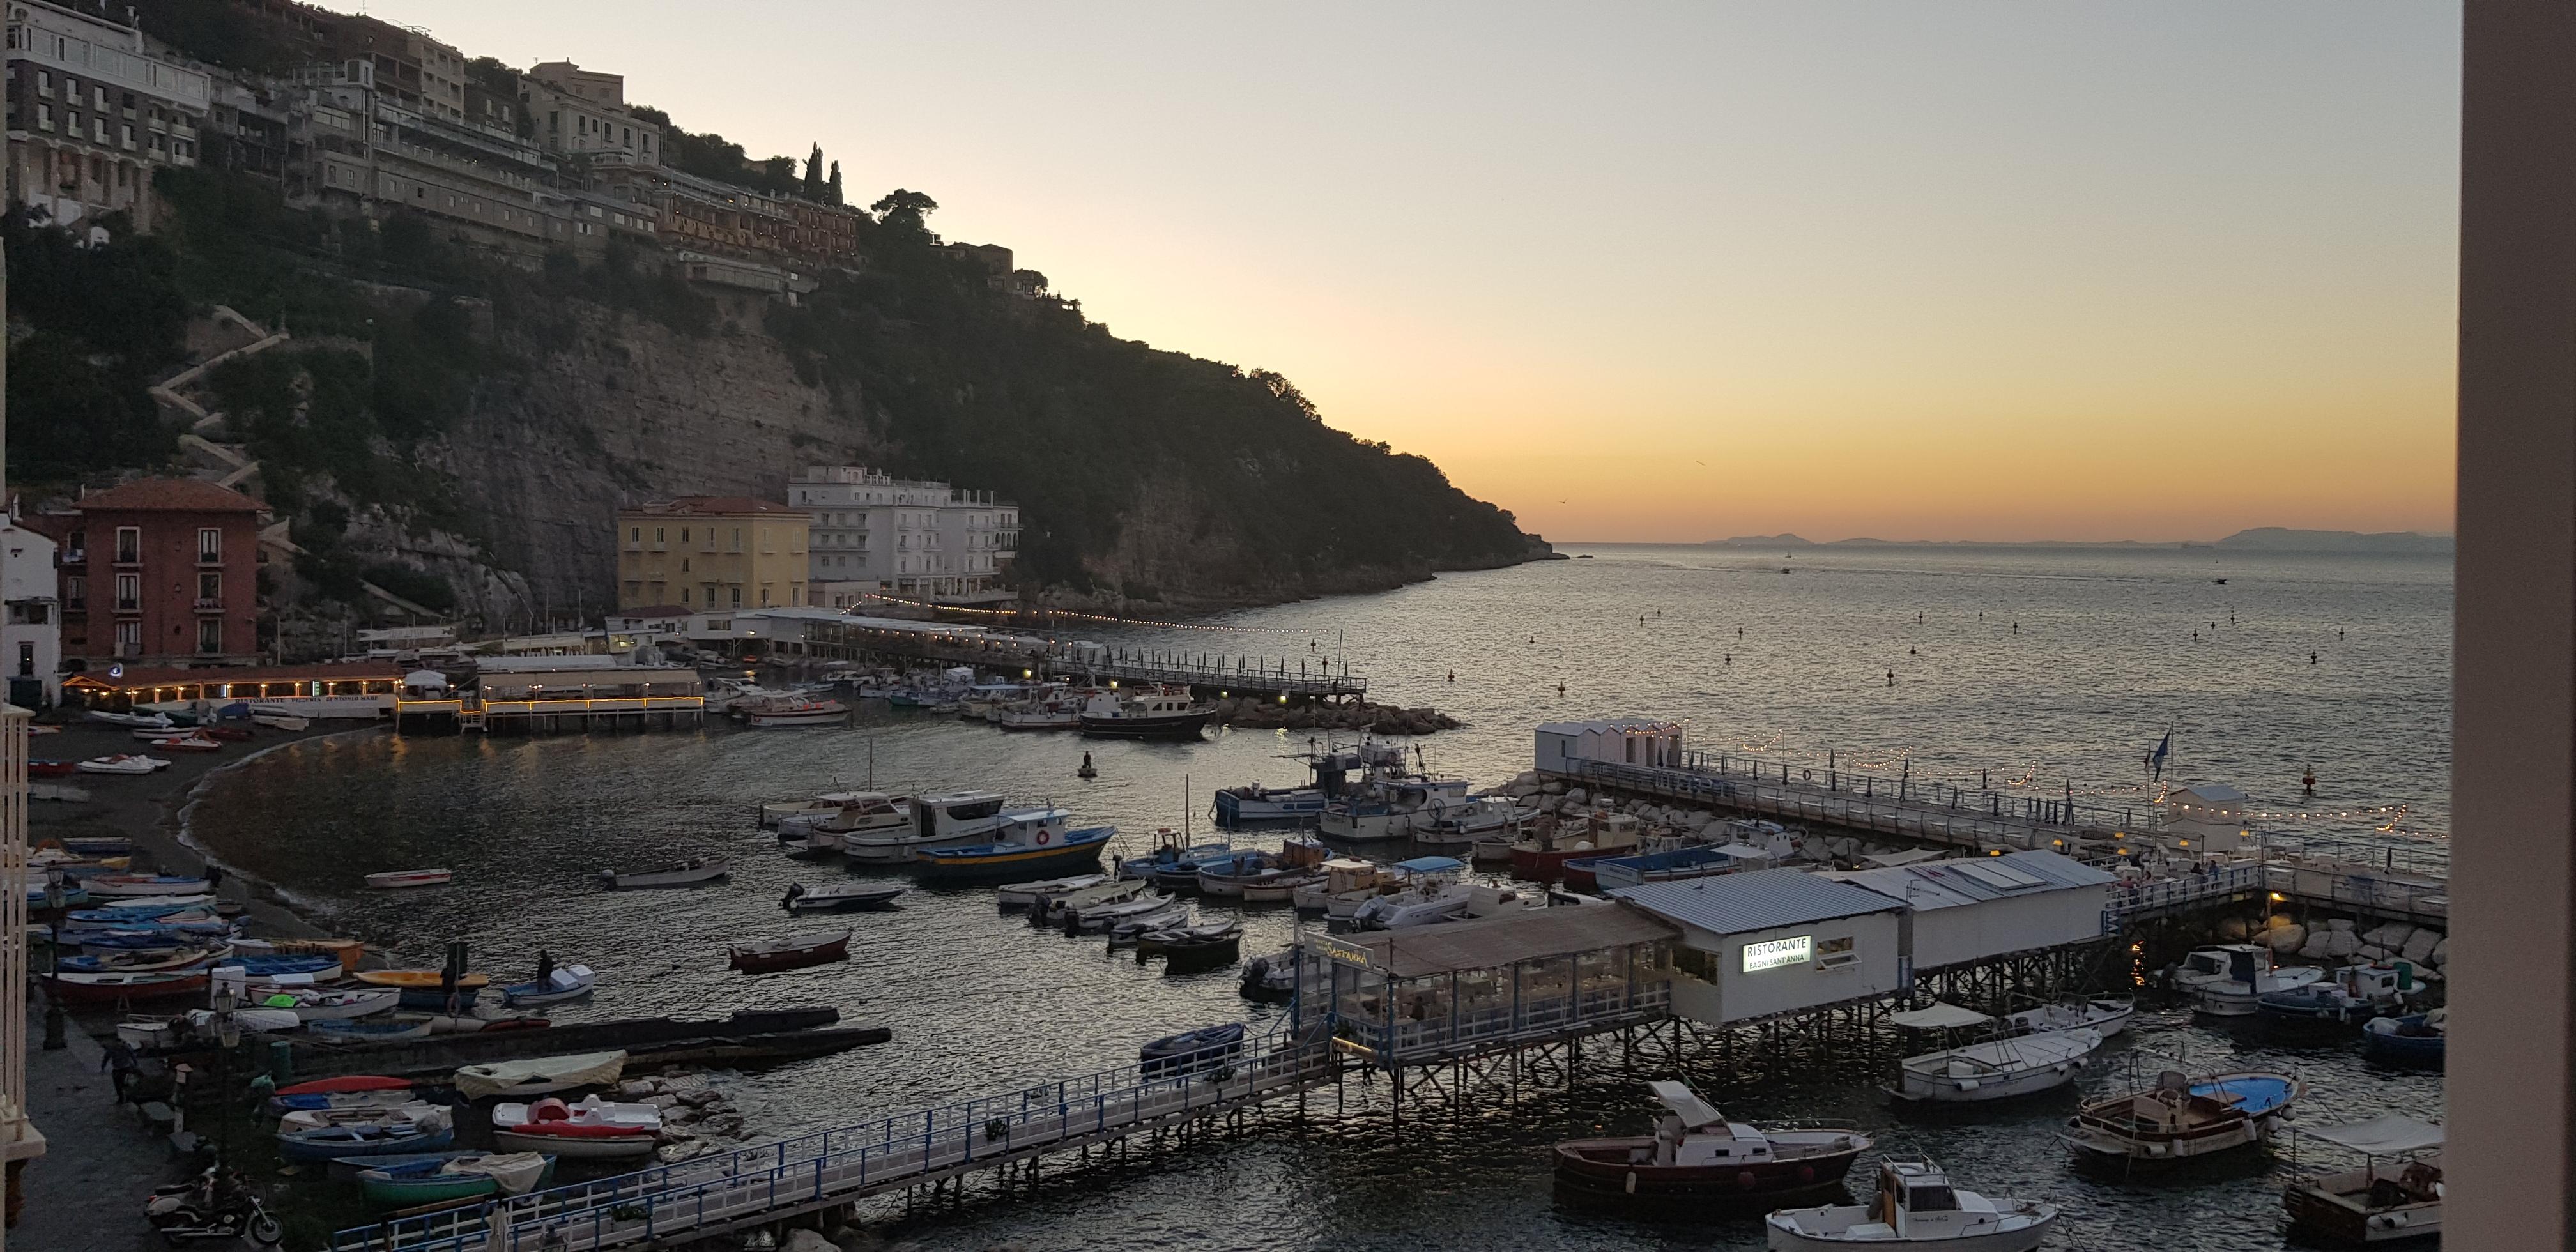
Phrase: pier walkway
pixel 1240 675
pixel 728 1191
pixel 833 636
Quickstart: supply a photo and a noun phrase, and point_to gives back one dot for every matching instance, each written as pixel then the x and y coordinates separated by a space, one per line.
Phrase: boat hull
pixel 2347 1216
pixel 602 1147
pixel 799 958
pixel 1784 1238
pixel 946 865
pixel 1604 1169
pixel 1173 726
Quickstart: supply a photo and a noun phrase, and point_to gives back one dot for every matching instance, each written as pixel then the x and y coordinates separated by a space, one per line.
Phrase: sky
pixel 2042 270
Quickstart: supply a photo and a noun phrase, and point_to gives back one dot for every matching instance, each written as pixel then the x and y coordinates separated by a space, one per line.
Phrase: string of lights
pixel 1101 618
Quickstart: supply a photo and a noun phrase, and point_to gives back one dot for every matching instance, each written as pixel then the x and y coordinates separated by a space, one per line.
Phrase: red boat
pixel 1542 857
pixel 109 988
pixel 51 769
pixel 234 733
pixel 768 956
pixel 1696 1155
pixel 346 1083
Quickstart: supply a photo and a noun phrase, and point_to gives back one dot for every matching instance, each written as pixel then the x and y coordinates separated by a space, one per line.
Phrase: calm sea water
pixel 2102 663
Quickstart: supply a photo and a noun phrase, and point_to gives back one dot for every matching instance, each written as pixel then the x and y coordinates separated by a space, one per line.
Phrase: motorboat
pixel 1052 908
pixel 1330 777
pixel 1170 914
pixel 1696 1155
pixel 592 1129
pixel 1108 915
pixel 146 720
pixel 798 713
pixel 1038 845
pixel 2231 980
pixel 1428 889
pixel 832 897
pixel 1540 856
pixel 147 885
pixel 688 873
pixel 949 821
pixel 2180 1118
pixel 2108 1015
pixel 1999 1068
pixel 1385 806
pixel 1158 712
pixel 1460 823
pixel 1271 978
pixel 1191 1050
pixel 123 763
pixel 2410 1039
pixel 1174 858
pixel 1345 883
pixel 2395 1197
pixel 859 814
pixel 1021 895
pixel 1055 710
pixel 568 982
pixel 1602 872
pixel 773 812
pixel 539 1075
pixel 440 1178
pixel 769 956
pixel 2347 996
pixel 109 987
pixel 1916 1206
pixel 396 879
pixel 184 741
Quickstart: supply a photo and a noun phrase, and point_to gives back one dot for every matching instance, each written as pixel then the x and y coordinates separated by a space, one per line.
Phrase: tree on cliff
pixel 905 210
pixel 832 191
pixel 814 174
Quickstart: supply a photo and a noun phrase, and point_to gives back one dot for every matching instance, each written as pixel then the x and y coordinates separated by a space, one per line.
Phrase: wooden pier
pixel 1206 673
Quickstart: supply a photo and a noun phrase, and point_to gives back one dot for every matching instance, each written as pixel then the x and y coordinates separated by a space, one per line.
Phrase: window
pixel 75 592
pixel 684 565
pixel 737 597
pixel 684 595
pixel 764 597
pixel 210 544
pixel 210 636
pixel 129 639
pixel 129 593
pixel 684 534
pixel 657 534
pixel 129 543
pixel 635 534
pixel 210 589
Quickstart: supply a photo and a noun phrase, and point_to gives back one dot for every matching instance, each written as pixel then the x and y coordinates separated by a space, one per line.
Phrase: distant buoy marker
pixel 2308 781
pixel 1086 771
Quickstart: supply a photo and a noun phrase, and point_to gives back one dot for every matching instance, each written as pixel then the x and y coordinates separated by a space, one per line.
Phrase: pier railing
pixel 2018 804
pixel 710 1194
pixel 2139 899
pixel 1268 675
pixel 1799 801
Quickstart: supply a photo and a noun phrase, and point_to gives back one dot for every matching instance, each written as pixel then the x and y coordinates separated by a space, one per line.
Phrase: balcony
pixel 210 558
pixel 207 604
pixel 124 605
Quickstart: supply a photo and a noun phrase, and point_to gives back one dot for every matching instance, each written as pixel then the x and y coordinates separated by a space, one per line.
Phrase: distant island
pixel 2258 539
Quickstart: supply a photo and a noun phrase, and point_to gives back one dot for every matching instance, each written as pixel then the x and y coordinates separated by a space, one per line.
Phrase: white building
pixel 1977 908
pixel 1775 941
pixel 1564 746
pixel 905 538
pixel 93 111
pixel 577 111
pixel 31 619
pixel 2208 819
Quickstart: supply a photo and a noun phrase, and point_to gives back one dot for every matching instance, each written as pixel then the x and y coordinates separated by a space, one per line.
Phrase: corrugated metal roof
pixel 1968 879
pixel 1733 903
pixel 1621 724
pixel 1493 942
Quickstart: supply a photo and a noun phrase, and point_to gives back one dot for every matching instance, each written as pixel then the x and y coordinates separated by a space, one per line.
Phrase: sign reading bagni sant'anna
pixel 1774 953
pixel 1346 953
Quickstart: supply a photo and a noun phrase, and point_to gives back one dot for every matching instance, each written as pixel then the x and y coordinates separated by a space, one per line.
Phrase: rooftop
pixel 167 677
pixel 176 495
pixel 1967 880
pixel 719 506
pixel 1760 900
pixel 558 664
pixel 1607 724
pixel 1492 942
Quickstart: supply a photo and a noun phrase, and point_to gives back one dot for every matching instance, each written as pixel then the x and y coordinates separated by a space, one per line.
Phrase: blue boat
pixel 345 1168
pixel 97 845
pixel 1077 849
pixel 1605 872
pixel 87 964
pixel 1191 1050
pixel 122 913
pixel 332 1142
pixel 2414 1039
pixel 279 966
pixel 352 1030
pixel 73 895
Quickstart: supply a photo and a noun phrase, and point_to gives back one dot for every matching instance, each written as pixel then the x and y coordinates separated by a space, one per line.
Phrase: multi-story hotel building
pixel 93 110
pixel 877 533
pixel 711 552
pixel 159 571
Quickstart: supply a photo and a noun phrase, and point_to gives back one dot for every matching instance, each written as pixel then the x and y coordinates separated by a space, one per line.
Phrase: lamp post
pixel 58 902
pixel 227 1034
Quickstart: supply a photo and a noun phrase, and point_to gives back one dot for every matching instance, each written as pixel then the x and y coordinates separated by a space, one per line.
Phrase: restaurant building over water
pixel 364 691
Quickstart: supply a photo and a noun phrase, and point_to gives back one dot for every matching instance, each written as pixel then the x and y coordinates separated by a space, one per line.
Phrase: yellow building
pixel 711 554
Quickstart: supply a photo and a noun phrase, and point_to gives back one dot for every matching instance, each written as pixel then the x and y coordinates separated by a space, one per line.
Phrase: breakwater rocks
pixel 2342 941
pixel 1379 719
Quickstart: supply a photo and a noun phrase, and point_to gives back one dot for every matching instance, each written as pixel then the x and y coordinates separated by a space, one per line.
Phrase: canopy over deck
pixel 1495 942
pixel 2392 1135
pixel 1686 1104
pixel 1939 1015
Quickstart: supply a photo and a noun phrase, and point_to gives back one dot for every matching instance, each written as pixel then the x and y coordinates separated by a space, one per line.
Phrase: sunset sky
pixel 1682 271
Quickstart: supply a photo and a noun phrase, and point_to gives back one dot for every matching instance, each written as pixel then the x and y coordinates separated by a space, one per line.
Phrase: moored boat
pixel 688 873
pixel 341 1030
pixel 1111 912
pixel 1021 895
pixel 144 885
pixel 2395 1197
pixel 2230 980
pixel 1990 1069
pixel 391 879
pixel 109 987
pixel 1127 931
pixel 570 982
pixel 2347 996
pixel 2108 1015
pixel 1145 713
pixel 315 1004
pixel 799 713
pixel 542 1075
pixel 833 897
pixel 374 1138
pixel 2410 1039
pixel 1696 1155
pixel 439 1178
pixel 1019 851
pixel 1916 1206
pixel 948 821
pixel 1203 1048
pixel 590 1129
pixel 1052 908
pixel 2181 1119
pixel 769 956
pixel 1541 855
pixel 122 763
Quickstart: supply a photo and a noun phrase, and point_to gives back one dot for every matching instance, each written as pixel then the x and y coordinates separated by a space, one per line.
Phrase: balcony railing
pixel 210 558
pixel 210 604
pixel 125 605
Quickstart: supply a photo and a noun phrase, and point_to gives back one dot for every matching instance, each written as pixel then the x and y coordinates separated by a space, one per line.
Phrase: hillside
pixel 474 423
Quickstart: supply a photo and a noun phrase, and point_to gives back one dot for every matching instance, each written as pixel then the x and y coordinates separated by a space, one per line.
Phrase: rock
pixel 2232 930
pixel 2276 921
pixel 2341 943
pixel 2315 948
pixel 2392 936
pixel 2340 924
pixel 2285 938
pixel 701 1097
pixel 853 1239
pixel 2420 945
pixel 725 1124
pixel 2371 954
pixel 660 1100
pixel 1576 795
pixel 2441 953
pixel 637 1088
pixel 1552 788
pixel 807 1241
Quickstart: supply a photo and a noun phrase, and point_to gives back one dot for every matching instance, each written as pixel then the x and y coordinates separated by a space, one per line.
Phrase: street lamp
pixel 227 1034
pixel 58 902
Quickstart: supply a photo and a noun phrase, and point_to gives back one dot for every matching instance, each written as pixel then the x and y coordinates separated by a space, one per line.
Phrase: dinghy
pixel 104 988
pixel 122 763
pixel 380 1138
pixel 542 1075
pixel 2412 1039
pixel 313 1004
pixel 1990 1069
pixel 141 721
pixel 1696 1156
pixel 2107 1014
pixel 1190 1050
pixel 345 1169
pixel 1127 931
pixel 688 873
pixel 831 897
pixel 397 878
pixel 2179 1119
pixel 1099 917
pixel 590 1129
pixel 385 1098
pixel 568 983
pixel 344 1030
pixel 433 1180
pixel 1916 1207
pixel 144 885
pixel 769 956
pixel 1187 937
pixel 1021 895
pixel 321 968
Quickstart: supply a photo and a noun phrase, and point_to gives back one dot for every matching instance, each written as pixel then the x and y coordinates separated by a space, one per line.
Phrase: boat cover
pixel 516 1172
pixel 2393 1135
pixel 1694 1111
pixel 1431 865
pixel 499 1077
pixel 1939 1015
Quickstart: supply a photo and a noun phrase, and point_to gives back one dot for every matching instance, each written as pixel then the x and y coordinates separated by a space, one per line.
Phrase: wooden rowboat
pixel 767 956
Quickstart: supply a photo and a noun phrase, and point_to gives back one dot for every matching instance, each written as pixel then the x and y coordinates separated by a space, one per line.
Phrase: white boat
pixel 1916 1207
pixel 832 896
pixel 2182 1118
pixel 141 721
pixel 416 1113
pixel 1385 808
pixel 2108 1014
pixel 279 719
pixel 1991 1069
pixel 1347 882
pixel 592 1128
pixel 859 813
pixel 397 878
pixel 1100 917
pixel 313 1004
pixel 1127 930
pixel 150 886
pixel 688 873
pixel 122 763
pixel 799 713
pixel 772 812
pixel 1459 823
pixel 2395 1196
pixel 1020 895
pixel 1050 908
pixel 1055 712
pixel 570 982
pixel 2231 979
pixel 540 1075
pixel 956 820
pixel 1415 906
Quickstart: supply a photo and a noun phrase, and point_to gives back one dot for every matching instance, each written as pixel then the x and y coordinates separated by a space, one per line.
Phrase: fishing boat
pixel 1093 918
pixel 1915 1207
pixel 799 713
pixel 1193 954
pixel 430 1180
pixel 570 982
pixel 318 968
pixel 1541 856
pixel 1428 889
pixel 96 845
pixel 2230 980
pixel 144 885
pixel 831 897
pixel 2106 1015
pixel 1058 712
pixel 396 878
pixel 2181 1119
pixel 346 1168
pixel 773 813
pixel 1021 895
pixel 769 956
pixel 1271 978
pixel 389 1138
pixel 375 1097
pixel 315 1004
pixel 1603 872
pixel 1383 806
pixel 334 1030
pixel 122 763
pixel 1158 712
pixel 2395 1197
pixel 1188 938
pixel 1460 823
pixel 1127 931
pixel 2410 1039
pixel 592 1129
pixel 860 813
pixel 110 987
pixel 1192 1050
pixel 1052 908
pixel 1999 1068
pixel 1329 776
pixel 1346 884
pixel 2344 997
pixel 1018 849
pixel 1225 877
pixel 1280 885
pixel 1696 1155
pixel 688 873
pixel 542 1075
pixel 950 821
pixel 426 989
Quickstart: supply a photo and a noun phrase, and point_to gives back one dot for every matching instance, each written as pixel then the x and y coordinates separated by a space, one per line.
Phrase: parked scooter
pixel 216 1206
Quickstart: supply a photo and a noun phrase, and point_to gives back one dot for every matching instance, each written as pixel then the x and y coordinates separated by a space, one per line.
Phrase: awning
pixel 2383 1136
pixel 1694 1111
pixel 1431 865
pixel 1939 1015
pixel 1890 860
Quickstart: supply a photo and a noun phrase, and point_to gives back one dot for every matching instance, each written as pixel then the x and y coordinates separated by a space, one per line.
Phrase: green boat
pixel 428 1180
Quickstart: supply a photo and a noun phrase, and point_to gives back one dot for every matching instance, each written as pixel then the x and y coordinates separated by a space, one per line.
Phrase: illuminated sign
pixel 1774 953
pixel 1345 952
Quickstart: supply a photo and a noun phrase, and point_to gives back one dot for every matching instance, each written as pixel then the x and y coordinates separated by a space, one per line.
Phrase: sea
pixel 2055 669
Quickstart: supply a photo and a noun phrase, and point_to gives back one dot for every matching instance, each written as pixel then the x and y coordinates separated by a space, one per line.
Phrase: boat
pixel 1191 1050
pixel 1279 886
pixel 2180 1119
pixel 43 767
pixel 831 897
pixel 346 1168
pixel 543 1075
pixel 122 763
pixel 1128 930
pixel 1492 850
pixel 1058 710
pixel 1271 978
pixel 314 1004
pixel 950 821
pixel 145 885
pixel 2230 980
pixel 592 1129
pixel 1053 908
pixel 389 1138
pixel 140 721
pixel 109 987
pixel 1428 890
pixel 346 1082
pixel 769 956
pixel 1383 806
pixel 318 968
pixel 379 1099
pixel 774 812
pixel 1541 855
pixel 860 813
pixel 1193 953
pixel 1916 1207
pixel 1329 776
pixel 279 719
pixel 1203 936
pixel 2395 1197
pixel 439 1178
pixel 1157 712
pixel 2411 1039
pixel 421 980
pixel 1021 895
pixel 2107 1015
pixel 391 879
pixel 798 713
pixel 96 845
pixel 341 1030
pixel 570 982
pixel 187 741
pixel 1109 914
pixel 1018 849
pixel 1460 823
pixel 139 960
pixel 1999 1068
pixel 688 873
pixel 1603 872
pixel 1698 1156
pixel 1227 876
pixel 1346 884
pixel 2344 997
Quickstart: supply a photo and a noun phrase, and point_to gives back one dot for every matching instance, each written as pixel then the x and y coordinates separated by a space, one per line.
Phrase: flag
pixel 2156 759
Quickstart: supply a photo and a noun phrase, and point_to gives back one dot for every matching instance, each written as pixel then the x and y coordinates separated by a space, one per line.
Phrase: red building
pixel 160 571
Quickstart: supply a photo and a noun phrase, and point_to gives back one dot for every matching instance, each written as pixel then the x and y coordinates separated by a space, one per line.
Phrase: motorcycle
pixel 216 1206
